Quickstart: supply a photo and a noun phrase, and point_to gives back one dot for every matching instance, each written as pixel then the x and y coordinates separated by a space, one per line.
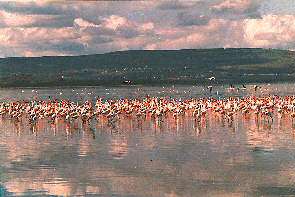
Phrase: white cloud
pixel 270 31
pixel 233 4
pixel 21 20
pixel 33 28
pixel 114 22
pixel 81 23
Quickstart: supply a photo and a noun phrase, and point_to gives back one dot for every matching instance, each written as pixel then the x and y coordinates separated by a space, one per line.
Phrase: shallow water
pixel 141 158
pixel 84 93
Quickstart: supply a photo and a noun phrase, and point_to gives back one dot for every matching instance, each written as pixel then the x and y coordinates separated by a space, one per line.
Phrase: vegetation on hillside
pixel 187 66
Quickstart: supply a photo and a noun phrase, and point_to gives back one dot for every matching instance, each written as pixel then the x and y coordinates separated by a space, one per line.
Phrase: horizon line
pixel 90 54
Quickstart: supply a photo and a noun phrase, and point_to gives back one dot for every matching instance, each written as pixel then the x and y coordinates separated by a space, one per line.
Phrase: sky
pixel 50 28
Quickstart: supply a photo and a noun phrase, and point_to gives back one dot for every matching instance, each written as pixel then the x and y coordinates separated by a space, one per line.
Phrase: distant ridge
pixel 151 67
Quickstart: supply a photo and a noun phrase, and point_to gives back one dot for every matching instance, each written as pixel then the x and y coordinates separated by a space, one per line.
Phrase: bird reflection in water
pixel 261 134
pixel 118 147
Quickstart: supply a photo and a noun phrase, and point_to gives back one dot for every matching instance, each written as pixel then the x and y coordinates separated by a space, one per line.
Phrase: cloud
pixel 121 24
pixel 31 7
pixel 115 22
pixel 194 40
pixel 270 31
pixel 185 19
pixel 176 4
pixel 84 37
pixel 237 9
pixel 37 39
pixel 110 28
pixel 12 20
pixel 27 35
pixel 38 53
pixel 233 4
pixel 81 23
pixel 146 27
pixel 206 36
pixel 8 19
pixel 32 28
pixel 128 34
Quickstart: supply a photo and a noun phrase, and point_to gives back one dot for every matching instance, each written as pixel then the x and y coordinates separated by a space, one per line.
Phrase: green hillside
pixel 187 66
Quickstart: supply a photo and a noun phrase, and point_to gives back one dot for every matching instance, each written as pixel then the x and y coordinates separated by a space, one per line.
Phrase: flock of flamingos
pixel 149 108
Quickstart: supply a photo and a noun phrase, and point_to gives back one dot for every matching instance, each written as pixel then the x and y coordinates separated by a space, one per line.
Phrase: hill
pixel 157 67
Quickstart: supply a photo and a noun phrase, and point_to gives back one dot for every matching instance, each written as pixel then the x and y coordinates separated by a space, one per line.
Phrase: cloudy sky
pixel 42 28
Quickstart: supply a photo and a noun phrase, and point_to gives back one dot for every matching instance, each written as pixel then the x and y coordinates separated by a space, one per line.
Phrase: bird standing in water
pixel 210 88
pixel 255 88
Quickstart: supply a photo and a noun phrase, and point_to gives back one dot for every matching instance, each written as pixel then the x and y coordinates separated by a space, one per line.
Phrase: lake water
pixel 90 93
pixel 176 158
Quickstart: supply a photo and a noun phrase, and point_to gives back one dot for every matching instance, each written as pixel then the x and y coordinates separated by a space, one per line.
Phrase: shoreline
pixel 149 85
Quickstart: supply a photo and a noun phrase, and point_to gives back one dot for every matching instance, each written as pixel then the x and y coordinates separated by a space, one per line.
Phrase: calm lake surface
pixel 138 159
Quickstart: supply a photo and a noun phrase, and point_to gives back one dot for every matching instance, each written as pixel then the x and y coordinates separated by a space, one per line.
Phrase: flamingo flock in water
pixel 263 108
